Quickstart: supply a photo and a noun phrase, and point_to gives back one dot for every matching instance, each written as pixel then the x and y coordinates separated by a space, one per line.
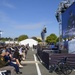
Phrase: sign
pixel 71 46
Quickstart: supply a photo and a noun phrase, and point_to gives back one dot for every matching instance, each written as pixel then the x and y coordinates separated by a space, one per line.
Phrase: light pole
pixel 0 33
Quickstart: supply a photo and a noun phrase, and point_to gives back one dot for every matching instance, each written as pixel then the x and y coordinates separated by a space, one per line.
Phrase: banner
pixel 68 22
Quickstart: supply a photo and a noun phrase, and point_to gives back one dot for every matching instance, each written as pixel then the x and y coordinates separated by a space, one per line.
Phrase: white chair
pixel 3 72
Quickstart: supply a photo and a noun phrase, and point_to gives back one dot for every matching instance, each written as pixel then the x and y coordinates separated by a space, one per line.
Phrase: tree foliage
pixel 6 39
pixel 22 37
pixel 39 40
pixel 52 38
pixel 57 40
pixel 16 39
pixel 60 38
pixel 34 38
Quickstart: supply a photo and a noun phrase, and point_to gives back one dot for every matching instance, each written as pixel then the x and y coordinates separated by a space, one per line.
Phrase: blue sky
pixel 28 17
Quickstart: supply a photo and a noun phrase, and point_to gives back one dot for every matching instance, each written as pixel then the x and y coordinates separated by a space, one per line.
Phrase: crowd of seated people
pixel 11 57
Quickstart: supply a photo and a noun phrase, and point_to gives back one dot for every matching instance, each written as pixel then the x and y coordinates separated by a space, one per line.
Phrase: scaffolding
pixel 61 9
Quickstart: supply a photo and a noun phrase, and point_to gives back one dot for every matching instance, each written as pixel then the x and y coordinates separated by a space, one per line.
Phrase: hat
pixel 2 51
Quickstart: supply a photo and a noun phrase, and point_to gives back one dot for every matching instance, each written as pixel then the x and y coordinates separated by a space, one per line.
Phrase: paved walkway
pixel 33 67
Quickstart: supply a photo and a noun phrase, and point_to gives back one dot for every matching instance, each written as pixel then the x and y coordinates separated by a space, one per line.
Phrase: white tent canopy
pixel 31 42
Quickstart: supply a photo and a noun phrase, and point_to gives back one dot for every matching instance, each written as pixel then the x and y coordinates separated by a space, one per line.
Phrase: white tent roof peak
pixel 31 42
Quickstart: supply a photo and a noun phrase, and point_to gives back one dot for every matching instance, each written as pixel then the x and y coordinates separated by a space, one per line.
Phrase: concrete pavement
pixel 32 67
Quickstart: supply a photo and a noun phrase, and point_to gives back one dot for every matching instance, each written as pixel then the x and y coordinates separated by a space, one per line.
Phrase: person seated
pixel 22 53
pixel 3 64
pixel 8 59
pixel 17 57
pixel 16 66
pixel 13 58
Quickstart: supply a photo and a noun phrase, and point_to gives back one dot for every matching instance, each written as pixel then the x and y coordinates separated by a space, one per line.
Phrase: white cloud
pixel 9 5
pixel 28 26
pixel 4 19
pixel 6 4
pixel 31 26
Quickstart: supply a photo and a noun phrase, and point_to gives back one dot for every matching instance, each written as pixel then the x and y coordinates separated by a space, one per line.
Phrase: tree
pixel 39 40
pixel 3 39
pixel 16 39
pixel 10 39
pixel 51 38
pixel 34 38
pixel 22 37
pixel 57 40
pixel 6 39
